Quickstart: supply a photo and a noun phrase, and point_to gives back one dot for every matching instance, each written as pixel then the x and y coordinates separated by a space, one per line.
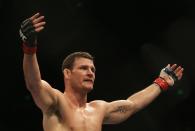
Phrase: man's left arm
pixel 118 111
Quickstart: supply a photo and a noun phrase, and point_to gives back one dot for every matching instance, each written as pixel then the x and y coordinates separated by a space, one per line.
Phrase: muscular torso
pixel 65 117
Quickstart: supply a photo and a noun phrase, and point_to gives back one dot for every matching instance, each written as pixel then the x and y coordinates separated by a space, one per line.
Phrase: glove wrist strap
pixel 28 50
pixel 162 83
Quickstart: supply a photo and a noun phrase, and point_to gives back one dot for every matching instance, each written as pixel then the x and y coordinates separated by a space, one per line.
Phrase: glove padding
pixel 170 72
pixel 28 34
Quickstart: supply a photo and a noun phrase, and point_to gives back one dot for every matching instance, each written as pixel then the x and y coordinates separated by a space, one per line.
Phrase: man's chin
pixel 88 89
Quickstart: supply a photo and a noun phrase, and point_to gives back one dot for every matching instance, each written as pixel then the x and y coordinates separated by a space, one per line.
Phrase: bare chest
pixel 68 119
pixel 83 120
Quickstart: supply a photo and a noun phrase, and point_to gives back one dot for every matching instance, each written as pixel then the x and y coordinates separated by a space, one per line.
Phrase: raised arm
pixel 119 111
pixel 43 95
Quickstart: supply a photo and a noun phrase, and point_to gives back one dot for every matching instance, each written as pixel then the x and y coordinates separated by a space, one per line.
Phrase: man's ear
pixel 67 73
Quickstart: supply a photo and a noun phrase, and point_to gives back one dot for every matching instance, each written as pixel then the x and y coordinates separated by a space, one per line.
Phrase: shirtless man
pixel 70 111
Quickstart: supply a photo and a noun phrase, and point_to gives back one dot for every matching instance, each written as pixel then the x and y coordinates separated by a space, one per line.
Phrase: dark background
pixel 131 43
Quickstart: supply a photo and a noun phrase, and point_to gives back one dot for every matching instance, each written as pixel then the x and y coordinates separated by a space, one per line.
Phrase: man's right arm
pixel 43 94
pixel 118 111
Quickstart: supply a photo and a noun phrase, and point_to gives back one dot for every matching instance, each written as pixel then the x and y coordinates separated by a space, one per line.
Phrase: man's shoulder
pixel 97 103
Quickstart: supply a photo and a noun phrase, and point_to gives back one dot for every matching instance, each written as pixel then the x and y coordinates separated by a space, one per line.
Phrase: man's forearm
pixel 31 70
pixel 145 96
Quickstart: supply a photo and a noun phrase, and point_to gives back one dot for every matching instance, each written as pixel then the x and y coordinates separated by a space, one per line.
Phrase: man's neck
pixel 76 98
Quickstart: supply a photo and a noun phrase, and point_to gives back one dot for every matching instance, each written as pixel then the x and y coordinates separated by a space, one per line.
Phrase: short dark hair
pixel 69 60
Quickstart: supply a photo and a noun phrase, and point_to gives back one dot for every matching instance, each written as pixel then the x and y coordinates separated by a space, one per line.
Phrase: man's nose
pixel 90 73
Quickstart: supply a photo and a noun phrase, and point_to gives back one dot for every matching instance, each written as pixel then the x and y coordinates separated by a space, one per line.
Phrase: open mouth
pixel 88 80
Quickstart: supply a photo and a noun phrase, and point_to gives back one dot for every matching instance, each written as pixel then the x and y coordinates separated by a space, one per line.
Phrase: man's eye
pixel 93 70
pixel 83 68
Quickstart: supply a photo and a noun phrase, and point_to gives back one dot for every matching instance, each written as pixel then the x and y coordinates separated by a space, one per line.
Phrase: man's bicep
pixel 44 96
pixel 118 111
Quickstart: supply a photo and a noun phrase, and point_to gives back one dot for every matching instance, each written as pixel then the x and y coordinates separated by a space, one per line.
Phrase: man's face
pixel 83 74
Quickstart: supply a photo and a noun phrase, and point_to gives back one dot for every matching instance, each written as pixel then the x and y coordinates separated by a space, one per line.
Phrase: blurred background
pixel 131 42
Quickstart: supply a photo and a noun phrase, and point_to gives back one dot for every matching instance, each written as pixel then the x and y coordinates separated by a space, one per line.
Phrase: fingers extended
pixel 34 16
pixel 179 73
pixel 39 24
pixel 173 67
pixel 38 20
pixel 39 29
pixel 178 69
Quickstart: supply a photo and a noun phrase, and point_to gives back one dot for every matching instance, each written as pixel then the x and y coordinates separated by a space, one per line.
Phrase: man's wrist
pixel 29 50
pixel 161 83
